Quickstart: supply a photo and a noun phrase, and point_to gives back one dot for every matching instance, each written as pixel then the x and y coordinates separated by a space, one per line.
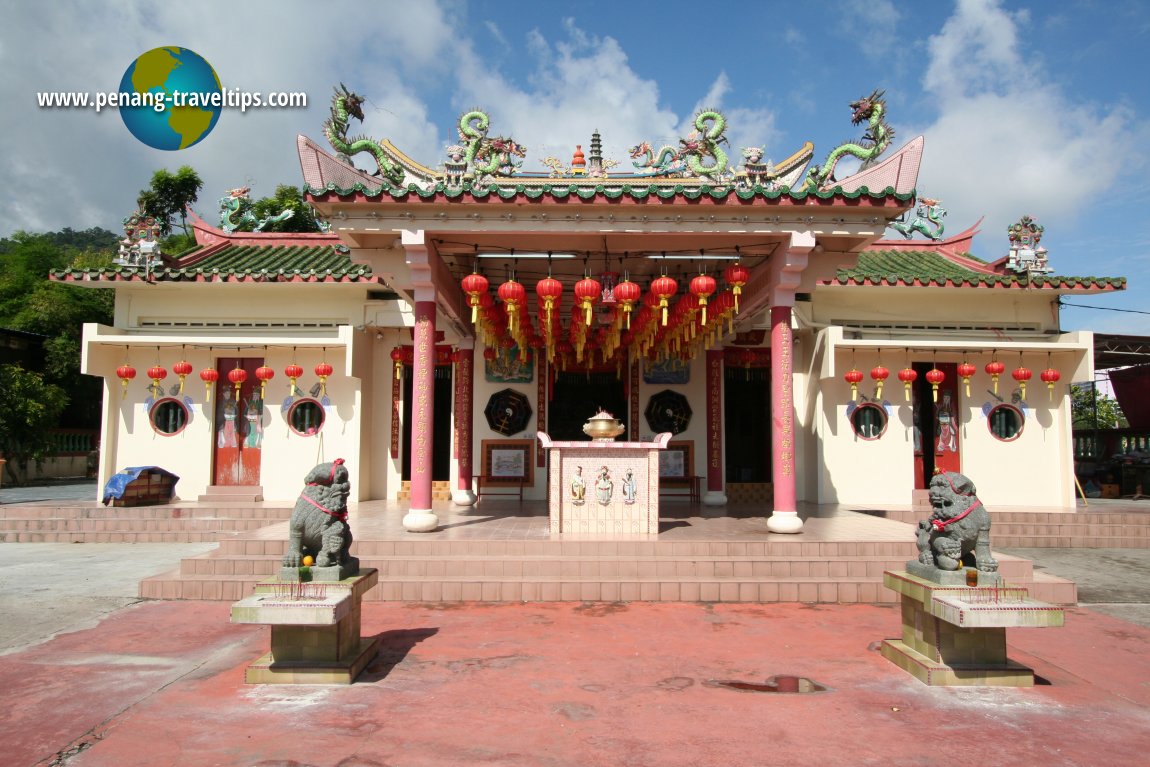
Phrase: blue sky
pixel 1036 107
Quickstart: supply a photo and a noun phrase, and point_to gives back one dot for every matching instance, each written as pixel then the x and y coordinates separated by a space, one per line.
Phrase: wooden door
pixel 937 438
pixel 239 424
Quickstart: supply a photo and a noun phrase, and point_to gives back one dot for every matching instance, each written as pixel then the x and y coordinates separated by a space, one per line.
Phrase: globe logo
pixel 183 82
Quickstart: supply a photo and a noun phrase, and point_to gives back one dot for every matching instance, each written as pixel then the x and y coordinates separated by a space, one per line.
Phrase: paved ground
pixel 1111 581
pixel 566 685
pixel 93 677
pixel 48 588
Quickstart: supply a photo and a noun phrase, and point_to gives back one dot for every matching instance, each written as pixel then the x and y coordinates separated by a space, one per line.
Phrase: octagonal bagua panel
pixel 508 412
pixel 668 411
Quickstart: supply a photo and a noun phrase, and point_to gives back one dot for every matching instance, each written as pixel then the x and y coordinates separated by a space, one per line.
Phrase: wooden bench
pixel 483 485
pixel 687 487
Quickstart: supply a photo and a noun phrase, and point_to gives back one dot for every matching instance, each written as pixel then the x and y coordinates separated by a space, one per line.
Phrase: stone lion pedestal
pixel 955 606
pixel 955 635
pixel 315 630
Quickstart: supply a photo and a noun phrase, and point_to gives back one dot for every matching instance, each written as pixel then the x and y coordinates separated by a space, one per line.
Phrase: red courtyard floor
pixel 559 684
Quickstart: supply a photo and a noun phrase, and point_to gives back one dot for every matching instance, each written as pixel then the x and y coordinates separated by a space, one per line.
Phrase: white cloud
pixel 80 169
pixel 1008 141
pixel 581 84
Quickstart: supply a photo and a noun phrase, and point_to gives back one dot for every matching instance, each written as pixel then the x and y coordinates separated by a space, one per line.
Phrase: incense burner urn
pixel 603 427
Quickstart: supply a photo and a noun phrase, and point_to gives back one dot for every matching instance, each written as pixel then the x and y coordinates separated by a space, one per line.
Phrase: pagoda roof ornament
pixel 1027 256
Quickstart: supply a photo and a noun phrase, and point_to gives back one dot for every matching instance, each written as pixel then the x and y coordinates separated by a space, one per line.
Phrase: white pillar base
pixel 785 522
pixel 420 521
pixel 463 497
pixel 714 498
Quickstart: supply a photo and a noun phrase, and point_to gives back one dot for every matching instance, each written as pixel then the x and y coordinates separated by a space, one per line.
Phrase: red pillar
pixel 464 404
pixel 715 495
pixel 785 518
pixel 420 517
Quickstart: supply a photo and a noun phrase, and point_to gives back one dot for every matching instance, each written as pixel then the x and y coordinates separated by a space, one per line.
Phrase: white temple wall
pixel 1035 469
pixel 130 440
pixel 989 307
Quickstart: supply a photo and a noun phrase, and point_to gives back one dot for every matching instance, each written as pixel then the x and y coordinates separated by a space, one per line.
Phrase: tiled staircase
pixel 86 523
pixel 428 570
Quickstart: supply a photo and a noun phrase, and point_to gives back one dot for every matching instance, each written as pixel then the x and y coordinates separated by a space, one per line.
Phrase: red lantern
pixel 293 372
pixel 662 288
pixel 587 293
pixel 209 376
pixel 397 358
pixel 736 276
pixel 157 373
pixel 628 294
pixel 854 377
pixel 183 369
pixel 550 292
pixel 474 285
pixel 1051 376
pixel 703 286
pixel 934 376
pixel 879 374
pixel 490 354
pixel 1022 375
pixel 965 371
pixel 125 373
pixel 513 294
pixel 323 370
pixel 237 376
pixel 264 374
pixel 908 376
pixel 994 369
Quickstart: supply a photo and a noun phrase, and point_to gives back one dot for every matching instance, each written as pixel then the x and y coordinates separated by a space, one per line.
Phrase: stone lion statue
pixel 319 520
pixel 958 528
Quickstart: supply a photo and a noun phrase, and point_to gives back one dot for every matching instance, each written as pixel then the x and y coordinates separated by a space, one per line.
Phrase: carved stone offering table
pixel 604 488
pixel 315 630
pixel 955 635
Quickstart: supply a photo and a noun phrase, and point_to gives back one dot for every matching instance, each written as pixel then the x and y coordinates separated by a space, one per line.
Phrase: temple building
pixel 800 337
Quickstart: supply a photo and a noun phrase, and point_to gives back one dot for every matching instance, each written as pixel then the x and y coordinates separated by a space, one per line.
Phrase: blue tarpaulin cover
pixel 120 481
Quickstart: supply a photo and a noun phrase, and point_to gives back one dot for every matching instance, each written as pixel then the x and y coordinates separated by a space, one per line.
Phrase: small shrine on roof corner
pixel 751 326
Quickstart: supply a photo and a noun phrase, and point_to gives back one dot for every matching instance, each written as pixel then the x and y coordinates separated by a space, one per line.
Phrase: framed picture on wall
pixel 508 461
pixel 677 460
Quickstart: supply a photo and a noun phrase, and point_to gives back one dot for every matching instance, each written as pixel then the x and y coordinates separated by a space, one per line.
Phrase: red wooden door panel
pixel 238 434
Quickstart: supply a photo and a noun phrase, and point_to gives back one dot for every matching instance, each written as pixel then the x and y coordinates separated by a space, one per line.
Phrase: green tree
pixel 29 302
pixel 169 195
pixel 29 408
pixel 287 197
pixel 1091 409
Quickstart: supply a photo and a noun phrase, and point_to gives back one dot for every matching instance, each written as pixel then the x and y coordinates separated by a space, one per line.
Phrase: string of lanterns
pixel 965 370
pixel 661 324
pixel 210 376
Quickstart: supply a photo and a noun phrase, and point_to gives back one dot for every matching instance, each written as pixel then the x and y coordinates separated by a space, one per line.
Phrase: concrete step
pixel 129 525
pixel 1070 541
pixel 551 570
pixel 589 588
pixel 711 567
pixel 271 544
pixel 183 536
pixel 271 513
pixel 232 493
pixel 558 588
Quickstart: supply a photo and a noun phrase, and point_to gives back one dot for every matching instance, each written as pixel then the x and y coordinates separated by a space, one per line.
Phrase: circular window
pixel 868 421
pixel 305 417
pixel 169 416
pixel 1005 422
